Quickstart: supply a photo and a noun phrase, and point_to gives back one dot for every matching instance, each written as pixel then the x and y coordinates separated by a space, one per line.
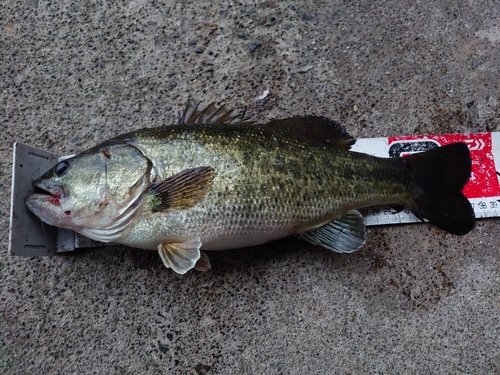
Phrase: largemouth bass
pixel 216 182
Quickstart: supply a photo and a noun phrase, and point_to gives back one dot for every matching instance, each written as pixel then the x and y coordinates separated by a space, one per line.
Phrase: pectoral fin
pixel 344 235
pixel 180 256
pixel 182 190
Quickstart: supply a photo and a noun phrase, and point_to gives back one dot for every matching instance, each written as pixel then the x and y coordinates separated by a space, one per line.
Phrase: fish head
pixel 92 190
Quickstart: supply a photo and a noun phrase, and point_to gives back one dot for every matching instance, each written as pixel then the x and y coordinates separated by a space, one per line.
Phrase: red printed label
pixel 484 181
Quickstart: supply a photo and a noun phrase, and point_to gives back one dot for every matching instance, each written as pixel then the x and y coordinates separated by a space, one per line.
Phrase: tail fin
pixel 439 177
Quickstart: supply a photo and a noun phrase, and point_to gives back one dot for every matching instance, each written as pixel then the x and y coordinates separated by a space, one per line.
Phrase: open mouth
pixel 53 195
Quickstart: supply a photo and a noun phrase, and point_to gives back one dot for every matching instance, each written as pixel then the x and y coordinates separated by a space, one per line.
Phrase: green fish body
pixel 214 182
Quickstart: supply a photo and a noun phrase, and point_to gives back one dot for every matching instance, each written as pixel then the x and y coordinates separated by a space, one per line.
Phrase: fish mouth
pixel 52 194
pixel 46 205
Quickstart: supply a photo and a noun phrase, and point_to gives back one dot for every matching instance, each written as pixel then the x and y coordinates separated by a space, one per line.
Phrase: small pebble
pixel 261 97
pixel 198 50
pixel 65 266
pixel 307 17
pixel 270 4
pixel 202 369
pixel 163 348
pixel 305 69
pixel 253 46
pixel 171 85
pixel 271 20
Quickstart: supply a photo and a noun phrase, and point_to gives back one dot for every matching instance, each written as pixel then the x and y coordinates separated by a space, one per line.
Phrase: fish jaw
pixel 107 222
pixel 49 208
pixel 49 204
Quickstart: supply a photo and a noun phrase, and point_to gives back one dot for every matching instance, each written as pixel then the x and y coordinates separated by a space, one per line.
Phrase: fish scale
pixel 273 191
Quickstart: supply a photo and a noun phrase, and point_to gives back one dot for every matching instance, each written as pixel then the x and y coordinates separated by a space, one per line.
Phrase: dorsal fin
pixel 316 128
pixel 199 114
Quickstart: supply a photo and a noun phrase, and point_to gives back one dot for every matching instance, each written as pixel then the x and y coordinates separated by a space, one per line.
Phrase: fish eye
pixel 60 168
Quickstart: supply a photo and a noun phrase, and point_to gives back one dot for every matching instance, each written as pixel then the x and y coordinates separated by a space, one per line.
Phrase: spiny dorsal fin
pixel 182 190
pixel 199 114
pixel 180 256
pixel 316 128
pixel 343 235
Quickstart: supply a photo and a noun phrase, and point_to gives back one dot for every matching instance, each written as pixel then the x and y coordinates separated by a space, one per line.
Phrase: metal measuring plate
pixel 28 235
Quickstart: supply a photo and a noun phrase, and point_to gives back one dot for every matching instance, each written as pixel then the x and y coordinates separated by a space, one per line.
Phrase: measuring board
pixel 28 237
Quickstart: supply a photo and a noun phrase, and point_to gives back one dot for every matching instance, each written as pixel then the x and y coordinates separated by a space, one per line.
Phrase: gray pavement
pixel 414 300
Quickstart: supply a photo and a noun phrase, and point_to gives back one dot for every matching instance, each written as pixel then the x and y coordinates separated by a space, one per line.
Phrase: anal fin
pixel 180 256
pixel 203 264
pixel 343 235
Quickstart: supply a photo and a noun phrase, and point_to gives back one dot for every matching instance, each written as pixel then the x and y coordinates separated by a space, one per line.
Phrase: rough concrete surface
pixel 414 300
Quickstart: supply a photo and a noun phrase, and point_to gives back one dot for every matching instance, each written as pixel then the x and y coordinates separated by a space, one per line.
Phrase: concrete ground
pixel 414 300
